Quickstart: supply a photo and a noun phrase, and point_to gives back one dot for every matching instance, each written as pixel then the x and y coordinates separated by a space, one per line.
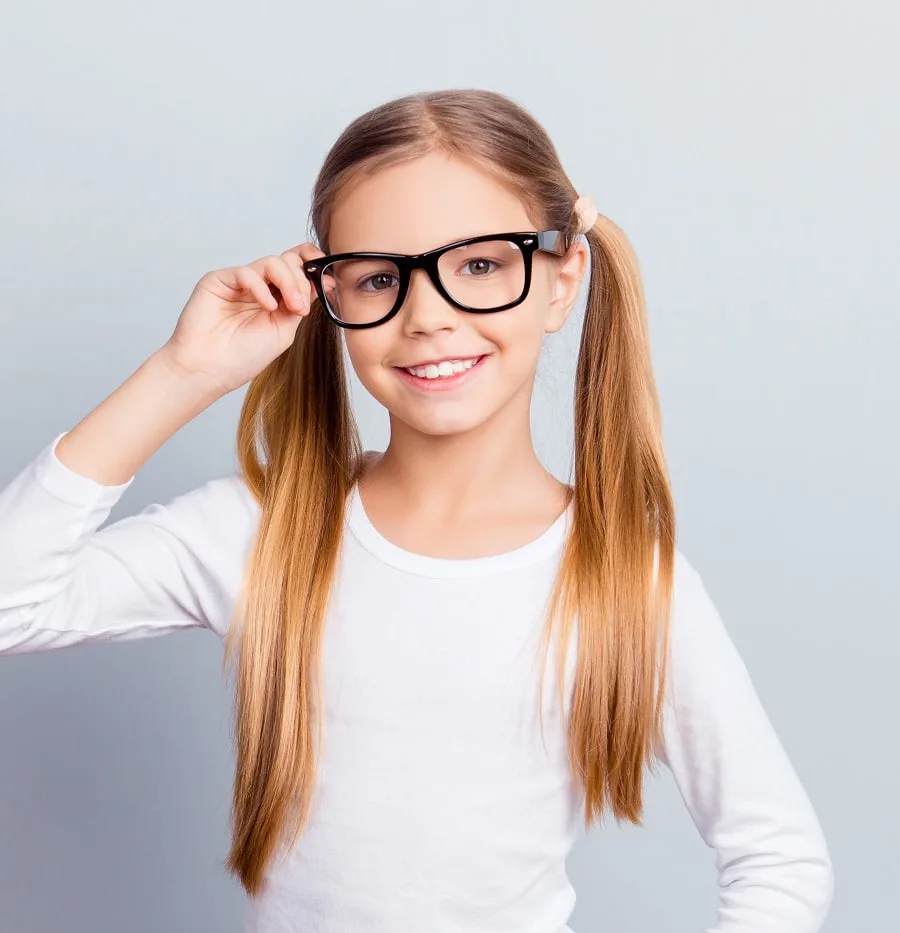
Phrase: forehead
pixel 422 203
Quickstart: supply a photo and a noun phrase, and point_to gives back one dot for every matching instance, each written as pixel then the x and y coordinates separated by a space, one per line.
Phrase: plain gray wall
pixel 749 151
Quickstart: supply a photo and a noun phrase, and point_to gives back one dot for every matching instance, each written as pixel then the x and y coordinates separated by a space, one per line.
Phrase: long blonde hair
pixel 300 453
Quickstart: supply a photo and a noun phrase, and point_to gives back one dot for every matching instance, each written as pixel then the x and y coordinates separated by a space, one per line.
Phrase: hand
pixel 237 320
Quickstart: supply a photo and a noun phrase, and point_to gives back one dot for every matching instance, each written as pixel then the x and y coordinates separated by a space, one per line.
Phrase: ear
pixel 566 286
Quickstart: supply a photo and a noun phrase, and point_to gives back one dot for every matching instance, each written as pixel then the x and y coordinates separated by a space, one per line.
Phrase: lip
pixel 442 383
pixel 440 359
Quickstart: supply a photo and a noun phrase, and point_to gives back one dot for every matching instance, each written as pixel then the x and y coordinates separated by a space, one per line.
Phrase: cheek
pixel 521 329
pixel 366 348
pixel 368 352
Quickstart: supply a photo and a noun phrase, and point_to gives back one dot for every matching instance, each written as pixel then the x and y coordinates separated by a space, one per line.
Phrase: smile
pixel 444 375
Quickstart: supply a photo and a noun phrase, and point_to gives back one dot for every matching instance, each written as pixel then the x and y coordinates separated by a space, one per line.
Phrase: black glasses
pixel 482 274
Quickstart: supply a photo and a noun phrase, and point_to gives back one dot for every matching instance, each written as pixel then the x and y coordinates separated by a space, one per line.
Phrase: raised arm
pixel 736 780
pixel 63 579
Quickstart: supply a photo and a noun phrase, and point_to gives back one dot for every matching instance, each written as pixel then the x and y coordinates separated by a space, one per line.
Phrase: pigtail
pixel 623 534
pixel 299 409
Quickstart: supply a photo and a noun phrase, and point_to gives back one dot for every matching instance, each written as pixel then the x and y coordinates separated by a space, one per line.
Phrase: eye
pixel 480 266
pixel 379 280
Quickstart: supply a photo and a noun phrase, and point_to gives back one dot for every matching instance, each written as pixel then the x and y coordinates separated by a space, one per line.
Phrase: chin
pixel 435 420
pixel 439 426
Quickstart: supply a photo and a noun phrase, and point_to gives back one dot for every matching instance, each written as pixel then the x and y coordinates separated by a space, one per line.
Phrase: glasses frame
pixel 529 242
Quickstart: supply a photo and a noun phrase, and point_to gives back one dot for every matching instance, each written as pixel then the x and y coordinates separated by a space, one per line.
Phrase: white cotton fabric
pixel 439 807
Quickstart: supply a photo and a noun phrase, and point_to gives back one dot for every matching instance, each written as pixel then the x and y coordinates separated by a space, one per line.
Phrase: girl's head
pixel 429 170
pixel 407 177
pixel 419 204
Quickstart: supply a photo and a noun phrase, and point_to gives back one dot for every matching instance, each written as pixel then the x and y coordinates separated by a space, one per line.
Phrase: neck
pixel 466 472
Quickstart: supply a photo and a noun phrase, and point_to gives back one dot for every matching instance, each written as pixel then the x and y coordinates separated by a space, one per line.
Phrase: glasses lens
pixel 360 291
pixel 484 275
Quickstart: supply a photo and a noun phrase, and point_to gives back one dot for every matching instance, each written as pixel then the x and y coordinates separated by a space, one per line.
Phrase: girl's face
pixel 418 205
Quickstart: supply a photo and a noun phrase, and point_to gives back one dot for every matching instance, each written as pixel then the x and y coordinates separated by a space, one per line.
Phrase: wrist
pixel 197 385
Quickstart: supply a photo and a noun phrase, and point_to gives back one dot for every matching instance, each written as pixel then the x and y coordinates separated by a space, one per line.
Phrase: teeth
pixel 444 368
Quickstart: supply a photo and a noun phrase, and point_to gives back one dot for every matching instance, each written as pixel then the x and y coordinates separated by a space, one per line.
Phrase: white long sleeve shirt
pixel 438 807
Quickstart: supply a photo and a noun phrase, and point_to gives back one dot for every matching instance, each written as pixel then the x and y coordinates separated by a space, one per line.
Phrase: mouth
pixel 438 382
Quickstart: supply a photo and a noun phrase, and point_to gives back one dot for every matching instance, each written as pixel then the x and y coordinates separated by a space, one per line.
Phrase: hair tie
pixel 587 213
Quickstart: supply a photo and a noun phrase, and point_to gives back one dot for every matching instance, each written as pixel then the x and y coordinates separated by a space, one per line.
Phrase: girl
pixel 444 657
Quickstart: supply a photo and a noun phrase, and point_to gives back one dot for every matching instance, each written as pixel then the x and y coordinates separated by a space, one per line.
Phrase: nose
pixel 425 309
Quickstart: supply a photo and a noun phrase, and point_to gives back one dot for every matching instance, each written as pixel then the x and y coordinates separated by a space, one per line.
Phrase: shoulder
pixel 702 650
pixel 693 612
pixel 687 583
pixel 219 498
pixel 215 520
pixel 688 588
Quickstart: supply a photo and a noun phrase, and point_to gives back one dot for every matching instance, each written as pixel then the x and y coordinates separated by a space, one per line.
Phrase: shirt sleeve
pixel 741 790
pixel 65 581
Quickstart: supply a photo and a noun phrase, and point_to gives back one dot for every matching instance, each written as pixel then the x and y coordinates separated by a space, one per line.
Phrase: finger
pixel 306 251
pixel 277 271
pixel 252 282
pixel 295 263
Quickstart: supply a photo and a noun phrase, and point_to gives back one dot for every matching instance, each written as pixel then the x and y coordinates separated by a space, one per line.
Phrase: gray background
pixel 749 151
